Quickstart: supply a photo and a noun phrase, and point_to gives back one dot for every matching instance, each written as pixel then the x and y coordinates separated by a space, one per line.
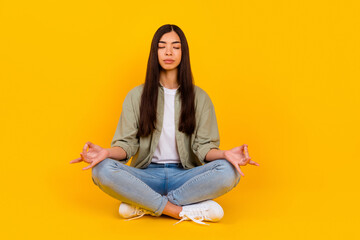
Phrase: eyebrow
pixel 172 42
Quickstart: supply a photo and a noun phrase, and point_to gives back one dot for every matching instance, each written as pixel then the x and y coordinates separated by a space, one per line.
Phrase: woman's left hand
pixel 239 156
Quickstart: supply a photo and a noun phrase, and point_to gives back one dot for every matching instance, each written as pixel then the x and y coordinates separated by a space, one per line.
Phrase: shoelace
pixel 140 212
pixel 196 215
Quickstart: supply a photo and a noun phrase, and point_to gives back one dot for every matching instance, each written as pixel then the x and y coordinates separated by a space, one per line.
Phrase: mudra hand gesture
pixel 95 155
pixel 239 156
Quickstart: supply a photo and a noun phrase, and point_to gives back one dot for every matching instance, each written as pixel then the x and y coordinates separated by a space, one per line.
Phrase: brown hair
pixel 149 96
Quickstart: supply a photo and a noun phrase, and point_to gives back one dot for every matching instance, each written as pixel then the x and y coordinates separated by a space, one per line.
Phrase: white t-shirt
pixel 166 151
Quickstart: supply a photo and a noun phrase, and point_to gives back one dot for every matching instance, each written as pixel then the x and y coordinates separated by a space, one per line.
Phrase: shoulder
pixel 201 97
pixel 136 91
pixel 133 97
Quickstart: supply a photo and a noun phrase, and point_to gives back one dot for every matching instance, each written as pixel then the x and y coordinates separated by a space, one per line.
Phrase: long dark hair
pixel 149 96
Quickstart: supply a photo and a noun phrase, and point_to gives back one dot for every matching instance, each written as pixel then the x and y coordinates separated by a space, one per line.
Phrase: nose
pixel 168 51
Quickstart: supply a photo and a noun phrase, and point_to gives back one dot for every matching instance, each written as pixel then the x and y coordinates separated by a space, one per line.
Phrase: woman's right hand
pixel 95 155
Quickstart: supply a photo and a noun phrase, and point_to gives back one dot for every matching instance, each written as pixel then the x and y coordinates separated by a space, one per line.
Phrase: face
pixel 169 47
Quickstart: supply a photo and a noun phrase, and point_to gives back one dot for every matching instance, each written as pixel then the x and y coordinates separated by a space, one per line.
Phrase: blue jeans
pixel 152 187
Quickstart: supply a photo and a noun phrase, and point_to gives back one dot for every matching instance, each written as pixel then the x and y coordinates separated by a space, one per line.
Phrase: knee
pixel 230 177
pixel 102 170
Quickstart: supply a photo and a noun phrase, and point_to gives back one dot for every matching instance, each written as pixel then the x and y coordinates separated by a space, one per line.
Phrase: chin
pixel 169 68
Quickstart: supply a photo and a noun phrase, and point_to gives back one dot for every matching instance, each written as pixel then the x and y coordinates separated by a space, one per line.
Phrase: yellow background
pixel 284 79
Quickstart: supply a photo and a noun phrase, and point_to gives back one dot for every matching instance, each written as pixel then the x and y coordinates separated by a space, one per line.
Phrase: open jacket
pixel 192 149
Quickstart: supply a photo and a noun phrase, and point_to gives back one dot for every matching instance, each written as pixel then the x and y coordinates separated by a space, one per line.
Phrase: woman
pixel 169 125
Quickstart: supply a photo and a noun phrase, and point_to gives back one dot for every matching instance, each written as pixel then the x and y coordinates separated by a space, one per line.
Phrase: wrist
pixel 215 154
pixel 107 150
pixel 225 154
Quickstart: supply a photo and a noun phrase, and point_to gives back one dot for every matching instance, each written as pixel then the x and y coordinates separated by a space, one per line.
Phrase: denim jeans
pixel 152 187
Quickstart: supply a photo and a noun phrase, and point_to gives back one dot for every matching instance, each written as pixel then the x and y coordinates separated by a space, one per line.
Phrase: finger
pixel 90 144
pixel 90 166
pixel 239 170
pixel 254 163
pixel 246 151
pixel 84 150
pixel 85 159
pixel 76 160
pixel 244 161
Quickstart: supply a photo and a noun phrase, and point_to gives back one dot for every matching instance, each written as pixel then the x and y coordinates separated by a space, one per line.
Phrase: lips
pixel 169 61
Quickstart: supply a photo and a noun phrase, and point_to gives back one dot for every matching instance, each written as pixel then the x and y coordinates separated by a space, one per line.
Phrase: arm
pixel 116 153
pixel 125 144
pixel 214 154
pixel 206 137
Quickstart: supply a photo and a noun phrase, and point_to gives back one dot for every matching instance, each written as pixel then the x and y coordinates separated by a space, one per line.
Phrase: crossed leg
pixel 188 186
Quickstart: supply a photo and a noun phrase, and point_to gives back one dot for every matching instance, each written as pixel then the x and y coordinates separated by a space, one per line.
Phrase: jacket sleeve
pixel 127 128
pixel 207 134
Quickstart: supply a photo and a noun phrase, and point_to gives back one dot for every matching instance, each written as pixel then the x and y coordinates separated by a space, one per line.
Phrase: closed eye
pixel 174 47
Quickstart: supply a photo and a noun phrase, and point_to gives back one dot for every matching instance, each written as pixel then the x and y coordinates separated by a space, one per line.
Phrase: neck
pixel 169 78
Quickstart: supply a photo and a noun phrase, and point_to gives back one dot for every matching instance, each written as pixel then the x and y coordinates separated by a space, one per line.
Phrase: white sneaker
pixel 207 210
pixel 132 212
